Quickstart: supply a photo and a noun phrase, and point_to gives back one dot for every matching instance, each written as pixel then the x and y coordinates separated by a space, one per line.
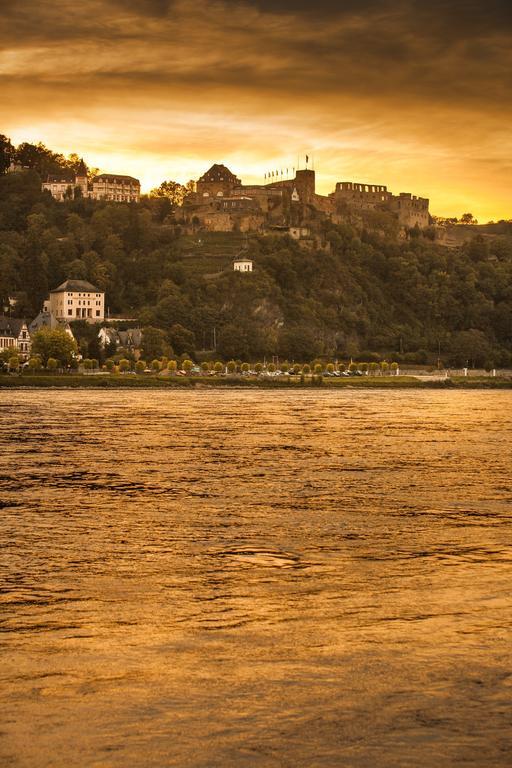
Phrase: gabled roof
pixel 115 177
pixel 11 326
pixel 73 286
pixel 219 172
pixel 62 177
pixel 47 320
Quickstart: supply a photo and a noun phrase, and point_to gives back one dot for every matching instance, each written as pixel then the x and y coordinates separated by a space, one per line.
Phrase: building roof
pixel 11 326
pixel 48 320
pixel 115 177
pixel 76 286
pixel 62 177
pixel 219 172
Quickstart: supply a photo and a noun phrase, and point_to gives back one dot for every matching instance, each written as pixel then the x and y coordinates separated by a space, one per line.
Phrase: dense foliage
pixel 361 293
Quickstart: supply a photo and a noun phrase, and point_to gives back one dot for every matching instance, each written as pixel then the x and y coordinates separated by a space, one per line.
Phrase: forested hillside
pixel 363 294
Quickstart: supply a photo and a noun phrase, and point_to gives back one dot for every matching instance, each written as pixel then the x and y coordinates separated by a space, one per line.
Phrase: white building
pixel 242 264
pixel 66 185
pixel 14 336
pixel 76 300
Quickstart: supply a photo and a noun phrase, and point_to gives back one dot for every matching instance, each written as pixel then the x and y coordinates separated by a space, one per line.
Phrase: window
pixel 97 313
pixel 70 311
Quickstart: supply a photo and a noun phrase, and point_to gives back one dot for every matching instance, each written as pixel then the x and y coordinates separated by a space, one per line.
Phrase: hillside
pixel 361 293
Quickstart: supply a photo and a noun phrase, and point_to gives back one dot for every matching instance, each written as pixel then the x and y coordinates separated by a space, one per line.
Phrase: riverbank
pixel 111 381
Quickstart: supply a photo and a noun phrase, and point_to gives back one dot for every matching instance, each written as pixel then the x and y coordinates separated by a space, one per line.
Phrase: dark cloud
pixel 435 70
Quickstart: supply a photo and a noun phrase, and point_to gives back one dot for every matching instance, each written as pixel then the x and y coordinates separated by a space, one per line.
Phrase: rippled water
pixel 234 578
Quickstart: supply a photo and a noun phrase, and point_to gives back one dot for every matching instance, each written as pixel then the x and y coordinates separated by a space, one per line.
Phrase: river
pixel 256 578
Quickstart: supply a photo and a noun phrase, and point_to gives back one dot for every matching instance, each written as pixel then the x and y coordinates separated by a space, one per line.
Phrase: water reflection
pixel 256 578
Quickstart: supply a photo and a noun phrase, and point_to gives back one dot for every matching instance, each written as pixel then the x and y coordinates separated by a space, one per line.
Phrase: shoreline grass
pixel 112 381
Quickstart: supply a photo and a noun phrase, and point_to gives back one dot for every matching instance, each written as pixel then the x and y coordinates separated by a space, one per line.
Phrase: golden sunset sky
pixel 415 95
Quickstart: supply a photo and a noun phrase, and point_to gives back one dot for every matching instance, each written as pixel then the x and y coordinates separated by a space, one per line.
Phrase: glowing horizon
pixel 378 92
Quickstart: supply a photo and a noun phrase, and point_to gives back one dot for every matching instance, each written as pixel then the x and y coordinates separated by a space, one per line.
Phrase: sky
pixel 414 95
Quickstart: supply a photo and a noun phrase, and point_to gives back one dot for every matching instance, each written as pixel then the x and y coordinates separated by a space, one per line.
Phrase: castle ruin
pixel 222 203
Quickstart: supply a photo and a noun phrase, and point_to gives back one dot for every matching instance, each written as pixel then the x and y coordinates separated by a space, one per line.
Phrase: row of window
pixel 83 312
pixel 88 295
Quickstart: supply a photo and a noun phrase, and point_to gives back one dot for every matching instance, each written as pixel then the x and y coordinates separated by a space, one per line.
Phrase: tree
pixel 258 368
pixel 245 368
pixel 374 367
pixel 54 343
pixel 155 365
pixel 172 366
pixel 14 363
pixel 124 365
pixel 231 367
pixel 174 191
pixel 205 367
pixel 52 364
pixel 306 369
pixel 364 368
pixel 140 366
pixel 330 368
pixel 182 340
pixel 271 367
pixel 110 365
pixel 34 364
pixel 469 348
pixel 384 367
pixel 296 369
pixel 232 342
pixel 154 343
pixel 394 368
pixel 352 367
pixel 6 153
pixel 87 364
pixel 318 369
pixel 218 367
pixel 187 366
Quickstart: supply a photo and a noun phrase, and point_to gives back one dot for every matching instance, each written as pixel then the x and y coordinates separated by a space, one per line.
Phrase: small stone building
pixel 243 263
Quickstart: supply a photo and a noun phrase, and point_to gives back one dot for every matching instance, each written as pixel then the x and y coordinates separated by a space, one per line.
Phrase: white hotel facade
pixel 76 300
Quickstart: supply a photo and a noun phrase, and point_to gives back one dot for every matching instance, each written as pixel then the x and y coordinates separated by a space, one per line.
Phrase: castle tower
pixel 305 185
pixel 81 178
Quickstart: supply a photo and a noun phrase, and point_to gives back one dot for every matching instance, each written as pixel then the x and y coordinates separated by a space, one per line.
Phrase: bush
pixel 187 365
pixel 140 366
pixel 14 363
pixel 231 366
pixel 124 365
pixel 258 367
pixel 306 369
pixel 34 364
pixel 155 365
pixel 52 364
pixel 218 367
pixel 172 366
pixel 110 365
